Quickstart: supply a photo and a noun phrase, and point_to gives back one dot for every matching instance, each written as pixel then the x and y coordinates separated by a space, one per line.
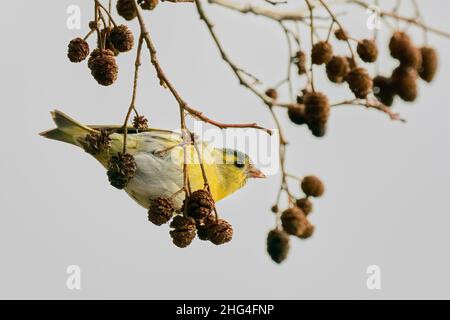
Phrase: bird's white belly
pixel 155 177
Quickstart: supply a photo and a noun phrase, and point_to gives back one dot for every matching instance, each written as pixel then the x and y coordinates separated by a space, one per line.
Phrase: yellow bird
pixel 159 157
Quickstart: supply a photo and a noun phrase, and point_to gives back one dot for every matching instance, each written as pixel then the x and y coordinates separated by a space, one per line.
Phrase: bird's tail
pixel 67 129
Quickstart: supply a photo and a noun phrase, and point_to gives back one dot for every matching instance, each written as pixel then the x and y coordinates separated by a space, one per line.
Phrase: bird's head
pixel 236 167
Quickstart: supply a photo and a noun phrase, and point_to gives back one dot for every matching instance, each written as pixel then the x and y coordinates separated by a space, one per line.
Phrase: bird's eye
pixel 239 164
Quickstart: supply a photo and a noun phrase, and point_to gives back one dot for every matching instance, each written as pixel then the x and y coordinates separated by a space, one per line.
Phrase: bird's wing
pixel 131 130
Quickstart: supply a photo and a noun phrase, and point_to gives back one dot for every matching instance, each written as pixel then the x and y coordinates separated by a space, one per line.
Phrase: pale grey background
pixel 387 183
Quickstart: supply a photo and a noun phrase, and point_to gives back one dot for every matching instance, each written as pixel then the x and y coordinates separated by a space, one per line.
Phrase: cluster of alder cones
pixel 294 220
pixel 111 41
pixel 197 216
pixel 313 108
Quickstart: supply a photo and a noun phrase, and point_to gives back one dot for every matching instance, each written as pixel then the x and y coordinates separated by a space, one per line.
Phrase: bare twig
pixel 371 104
pixel 278 15
pixel 137 64
pixel 165 82
pixel 398 17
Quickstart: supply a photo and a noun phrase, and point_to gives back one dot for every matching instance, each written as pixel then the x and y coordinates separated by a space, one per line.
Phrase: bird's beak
pixel 253 172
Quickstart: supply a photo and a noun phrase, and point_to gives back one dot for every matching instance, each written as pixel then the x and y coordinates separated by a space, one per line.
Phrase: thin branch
pixel 371 105
pixel 396 16
pixel 336 21
pixel 111 19
pixel 165 82
pixel 137 64
pixel 278 15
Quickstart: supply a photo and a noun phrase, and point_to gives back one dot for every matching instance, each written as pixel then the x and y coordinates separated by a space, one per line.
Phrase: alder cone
pixel 367 50
pixel 121 170
pixel 78 50
pixel 160 211
pixel 296 114
pixel 312 186
pixel 404 50
pixel 308 231
pixel 96 142
pixel 383 90
pixel 305 204
pixel 219 232
pixel 184 231
pixel 121 38
pixel 341 34
pixel 337 69
pixel 140 122
pixel 126 9
pixel 322 52
pixel 317 111
pixel 202 232
pixel 103 66
pixel 199 204
pixel 398 43
pixel 404 83
pixel 429 65
pixel 278 245
pixel 360 82
pixel 294 221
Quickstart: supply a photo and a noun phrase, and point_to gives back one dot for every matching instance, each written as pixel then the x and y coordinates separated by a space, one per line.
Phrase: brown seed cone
pixel 202 232
pixel 300 61
pixel 160 211
pixel 92 24
pixel 148 4
pixel 429 65
pixel 122 38
pixel 399 42
pixel 95 142
pixel 322 52
pixel 296 114
pixel 78 50
pixel 272 93
pixel 383 90
pixel 404 50
pixel 337 69
pixel 317 111
pixel 278 245
pixel 312 186
pixel 359 82
pixel 293 221
pixel 121 170
pixel 307 232
pixel 305 204
pixel 94 54
pixel 219 232
pixel 404 83
pixel 183 231
pixel 140 122
pixel 125 9
pixel 341 34
pixel 274 208
pixel 367 50
pixel 200 204
pixel 103 66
